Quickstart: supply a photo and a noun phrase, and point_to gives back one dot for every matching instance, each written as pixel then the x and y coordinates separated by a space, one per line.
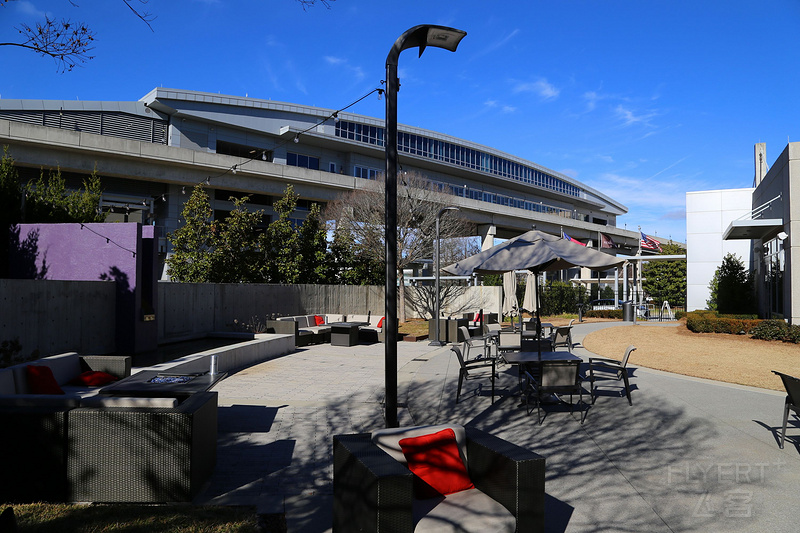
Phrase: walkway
pixel 689 455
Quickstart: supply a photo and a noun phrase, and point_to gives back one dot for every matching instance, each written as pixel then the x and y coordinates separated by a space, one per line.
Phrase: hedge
pixel 604 313
pixel 770 330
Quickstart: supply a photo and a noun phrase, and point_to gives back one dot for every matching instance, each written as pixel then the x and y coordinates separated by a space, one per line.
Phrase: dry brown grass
pixel 717 356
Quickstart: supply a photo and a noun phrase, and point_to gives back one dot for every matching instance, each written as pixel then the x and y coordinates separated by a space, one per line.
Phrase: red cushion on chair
pixel 42 381
pixel 318 320
pixel 436 461
pixel 93 378
pixel 380 322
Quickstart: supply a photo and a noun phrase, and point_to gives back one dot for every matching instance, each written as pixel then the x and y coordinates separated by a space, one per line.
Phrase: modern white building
pixel 756 224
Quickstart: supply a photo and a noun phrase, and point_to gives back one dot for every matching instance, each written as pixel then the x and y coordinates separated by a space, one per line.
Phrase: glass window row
pixel 458 155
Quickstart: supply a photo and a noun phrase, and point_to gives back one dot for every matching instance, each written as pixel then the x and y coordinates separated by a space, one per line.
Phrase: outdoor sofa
pixel 307 329
pixel 315 329
pixel 83 446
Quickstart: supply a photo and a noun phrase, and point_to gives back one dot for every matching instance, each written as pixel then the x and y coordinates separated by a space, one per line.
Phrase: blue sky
pixel 642 100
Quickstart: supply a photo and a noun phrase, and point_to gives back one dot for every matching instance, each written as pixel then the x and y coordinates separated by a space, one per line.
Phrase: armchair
pixel 373 488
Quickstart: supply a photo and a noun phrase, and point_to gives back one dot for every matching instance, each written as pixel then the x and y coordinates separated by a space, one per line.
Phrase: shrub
pixel 792 334
pixel 712 322
pixel 604 313
pixel 770 330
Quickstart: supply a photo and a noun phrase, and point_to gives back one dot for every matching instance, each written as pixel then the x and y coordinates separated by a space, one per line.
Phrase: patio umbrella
pixel 529 301
pixel 535 251
pixel 510 304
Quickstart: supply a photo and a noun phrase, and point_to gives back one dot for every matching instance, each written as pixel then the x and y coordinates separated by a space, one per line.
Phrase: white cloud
pixel 629 117
pixel 27 8
pixel 541 87
pixel 509 109
pixel 334 60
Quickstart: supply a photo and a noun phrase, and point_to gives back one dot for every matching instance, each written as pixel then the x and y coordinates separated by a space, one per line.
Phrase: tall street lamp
pixel 422 36
pixel 436 258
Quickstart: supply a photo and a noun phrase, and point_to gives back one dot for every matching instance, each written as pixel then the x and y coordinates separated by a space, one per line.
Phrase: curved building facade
pixel 149 152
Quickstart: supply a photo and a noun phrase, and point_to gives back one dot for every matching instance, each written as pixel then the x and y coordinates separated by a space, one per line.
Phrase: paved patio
pixel 689 455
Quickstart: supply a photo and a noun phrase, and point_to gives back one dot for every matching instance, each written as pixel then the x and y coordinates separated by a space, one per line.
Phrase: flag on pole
pixel 573 240
pixel 606 241
pixel 649 244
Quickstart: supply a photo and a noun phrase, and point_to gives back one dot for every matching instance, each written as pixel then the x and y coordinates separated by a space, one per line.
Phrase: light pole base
pixel 437 343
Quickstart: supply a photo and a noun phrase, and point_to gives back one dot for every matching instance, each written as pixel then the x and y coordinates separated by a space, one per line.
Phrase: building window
pixel 365 173
pixel 304 161
pixel 456 155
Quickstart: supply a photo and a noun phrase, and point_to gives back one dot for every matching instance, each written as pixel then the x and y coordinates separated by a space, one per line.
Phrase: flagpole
pixel 635 284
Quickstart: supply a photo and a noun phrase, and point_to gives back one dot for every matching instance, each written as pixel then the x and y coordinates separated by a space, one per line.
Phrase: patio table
pixel 345 333
pixel 154 384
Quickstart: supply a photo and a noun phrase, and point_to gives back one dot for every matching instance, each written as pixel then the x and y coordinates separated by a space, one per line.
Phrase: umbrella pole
pixel 538 316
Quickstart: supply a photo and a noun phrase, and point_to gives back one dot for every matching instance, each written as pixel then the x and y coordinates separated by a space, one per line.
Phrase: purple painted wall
pixel 123 252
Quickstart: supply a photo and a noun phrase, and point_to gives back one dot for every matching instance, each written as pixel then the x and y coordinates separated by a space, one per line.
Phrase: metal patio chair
pixel 619 368
pixel 792 386
pixel 474 369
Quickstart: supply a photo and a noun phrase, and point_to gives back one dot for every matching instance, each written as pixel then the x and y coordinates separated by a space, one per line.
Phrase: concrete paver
pixel 689 455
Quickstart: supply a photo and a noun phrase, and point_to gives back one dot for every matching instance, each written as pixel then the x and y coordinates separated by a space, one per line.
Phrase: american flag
pixel 649 244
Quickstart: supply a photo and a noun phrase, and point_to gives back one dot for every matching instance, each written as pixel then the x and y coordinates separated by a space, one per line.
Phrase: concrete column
pixel 487 233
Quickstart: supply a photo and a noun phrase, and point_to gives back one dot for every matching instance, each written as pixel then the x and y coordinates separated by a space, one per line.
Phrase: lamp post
pixel 421 36
pixel 438 340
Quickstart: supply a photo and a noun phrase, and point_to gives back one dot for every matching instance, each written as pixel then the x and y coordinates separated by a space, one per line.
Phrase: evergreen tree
pixel 192 242
pixel 734 287
pixel 237 246
pixel 666 280
pixel 10 202
pixel 282 242
pixel 313 247
pixel 47 200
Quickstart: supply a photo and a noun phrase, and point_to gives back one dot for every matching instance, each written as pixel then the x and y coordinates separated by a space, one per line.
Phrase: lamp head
pixel 423 36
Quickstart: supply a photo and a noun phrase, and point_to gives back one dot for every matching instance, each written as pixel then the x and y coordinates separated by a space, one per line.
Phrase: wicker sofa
pixel 15 391
pixel 373 331
pixel 373 488
pixel 82 446
pixel 305 328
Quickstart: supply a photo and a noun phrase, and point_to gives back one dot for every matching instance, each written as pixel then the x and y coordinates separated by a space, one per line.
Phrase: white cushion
pixel 125 401
pixel 329 319
pixel 468 511
pixel 388 439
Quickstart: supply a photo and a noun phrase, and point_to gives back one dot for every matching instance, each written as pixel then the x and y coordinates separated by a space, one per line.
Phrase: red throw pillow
pixel 93 378
pixel 477 318
pixel 42 381
pixel 318 320
pixel 437 463
pixel 380 322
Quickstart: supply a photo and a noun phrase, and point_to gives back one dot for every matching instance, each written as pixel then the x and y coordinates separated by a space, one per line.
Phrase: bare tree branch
pixel 67 43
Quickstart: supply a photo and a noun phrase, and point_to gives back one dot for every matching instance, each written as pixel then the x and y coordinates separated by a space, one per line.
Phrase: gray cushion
pixel 468 511
pixel 7 385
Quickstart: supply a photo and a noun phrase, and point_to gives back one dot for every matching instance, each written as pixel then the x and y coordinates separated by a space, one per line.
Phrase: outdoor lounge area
pixel 685 455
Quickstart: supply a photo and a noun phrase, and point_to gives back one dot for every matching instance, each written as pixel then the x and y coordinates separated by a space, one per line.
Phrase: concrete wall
pixel 190 310
pixel 58 316
pixel 708 214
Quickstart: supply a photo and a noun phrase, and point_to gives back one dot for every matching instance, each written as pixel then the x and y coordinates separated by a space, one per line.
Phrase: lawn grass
pixel 72 518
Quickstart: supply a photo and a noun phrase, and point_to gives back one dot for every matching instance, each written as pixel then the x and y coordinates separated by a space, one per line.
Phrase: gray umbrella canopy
pixel 535 251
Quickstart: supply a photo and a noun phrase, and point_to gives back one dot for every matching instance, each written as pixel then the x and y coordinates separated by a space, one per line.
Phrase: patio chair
pixel 562 336
pixel 474 369
pixel 374 489
pixel 478 343
pixel 556 377
pixel 618 368
pixel 792 386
